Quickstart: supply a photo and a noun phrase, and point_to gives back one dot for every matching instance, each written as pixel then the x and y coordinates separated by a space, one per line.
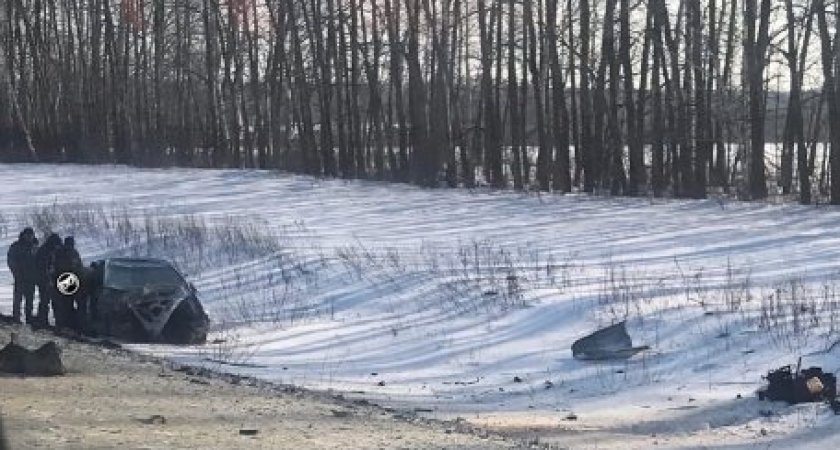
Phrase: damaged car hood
pixel 153 306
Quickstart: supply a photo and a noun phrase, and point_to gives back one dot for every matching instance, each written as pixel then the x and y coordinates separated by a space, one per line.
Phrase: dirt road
pixel 113 399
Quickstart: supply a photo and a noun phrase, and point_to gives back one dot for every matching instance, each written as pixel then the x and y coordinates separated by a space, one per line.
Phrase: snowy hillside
pixel 465 304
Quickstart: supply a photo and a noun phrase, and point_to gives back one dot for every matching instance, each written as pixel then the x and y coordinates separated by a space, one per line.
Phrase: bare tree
pixel 757 23
pixel 831 93
pixel 413 90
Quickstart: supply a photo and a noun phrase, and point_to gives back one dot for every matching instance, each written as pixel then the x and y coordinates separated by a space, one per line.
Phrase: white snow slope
pixel 465 304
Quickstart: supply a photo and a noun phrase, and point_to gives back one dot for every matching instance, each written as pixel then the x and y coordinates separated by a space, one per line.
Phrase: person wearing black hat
pixel 21 261
pixel 43 258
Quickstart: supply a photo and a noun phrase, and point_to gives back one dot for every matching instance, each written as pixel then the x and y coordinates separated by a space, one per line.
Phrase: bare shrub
pixel 794 313
pixel 228 349
pixel 190 241
pixel 737 289
pixel 5 226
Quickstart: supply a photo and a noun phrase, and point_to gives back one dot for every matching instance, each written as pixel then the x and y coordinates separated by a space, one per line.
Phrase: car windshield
pixel 119 275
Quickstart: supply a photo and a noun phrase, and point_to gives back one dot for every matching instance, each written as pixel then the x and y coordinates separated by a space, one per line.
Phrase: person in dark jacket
pixel 94 278
pixel 21 262
pixel 66 259
pixel 43 258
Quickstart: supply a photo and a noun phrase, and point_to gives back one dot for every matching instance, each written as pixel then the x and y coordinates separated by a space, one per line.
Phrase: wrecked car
pixel 144 300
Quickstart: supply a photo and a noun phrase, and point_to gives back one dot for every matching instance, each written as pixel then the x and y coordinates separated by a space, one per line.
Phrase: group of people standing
pixel 35 265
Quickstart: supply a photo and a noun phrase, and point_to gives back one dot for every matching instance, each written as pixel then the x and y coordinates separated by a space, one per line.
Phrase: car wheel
pixel 186 325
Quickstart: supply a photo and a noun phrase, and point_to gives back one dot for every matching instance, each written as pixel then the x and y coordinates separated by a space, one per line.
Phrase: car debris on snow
pixel 612 342
pixel 801 386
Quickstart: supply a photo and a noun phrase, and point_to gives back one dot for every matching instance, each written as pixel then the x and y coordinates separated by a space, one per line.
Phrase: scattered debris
pixel 464 383
pixel 236 364
pixel 809 385
pixel 677 408
pixel 611 342
pixel 45 361
pixel 155 419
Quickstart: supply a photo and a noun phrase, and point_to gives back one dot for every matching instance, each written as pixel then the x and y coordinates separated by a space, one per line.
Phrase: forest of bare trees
pixel 659 97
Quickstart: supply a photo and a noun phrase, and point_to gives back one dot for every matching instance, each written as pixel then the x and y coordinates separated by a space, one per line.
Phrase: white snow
pixel 437 299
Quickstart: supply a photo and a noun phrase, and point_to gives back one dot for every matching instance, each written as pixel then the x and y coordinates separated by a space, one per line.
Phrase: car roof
pixel 138 262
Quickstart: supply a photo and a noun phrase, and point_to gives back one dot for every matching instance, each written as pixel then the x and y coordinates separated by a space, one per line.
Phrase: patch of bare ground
pixel 111 398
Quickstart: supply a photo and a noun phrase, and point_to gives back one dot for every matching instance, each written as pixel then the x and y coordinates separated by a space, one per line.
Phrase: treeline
pixel 658 97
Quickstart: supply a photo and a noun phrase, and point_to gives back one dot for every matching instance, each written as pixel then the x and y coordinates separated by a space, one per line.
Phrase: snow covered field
pixel 465 304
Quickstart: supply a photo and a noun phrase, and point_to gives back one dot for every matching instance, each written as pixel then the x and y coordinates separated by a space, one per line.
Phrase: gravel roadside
pixel 111 398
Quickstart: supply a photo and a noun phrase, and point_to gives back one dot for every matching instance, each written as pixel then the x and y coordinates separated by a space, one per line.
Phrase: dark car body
pixel 144 300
